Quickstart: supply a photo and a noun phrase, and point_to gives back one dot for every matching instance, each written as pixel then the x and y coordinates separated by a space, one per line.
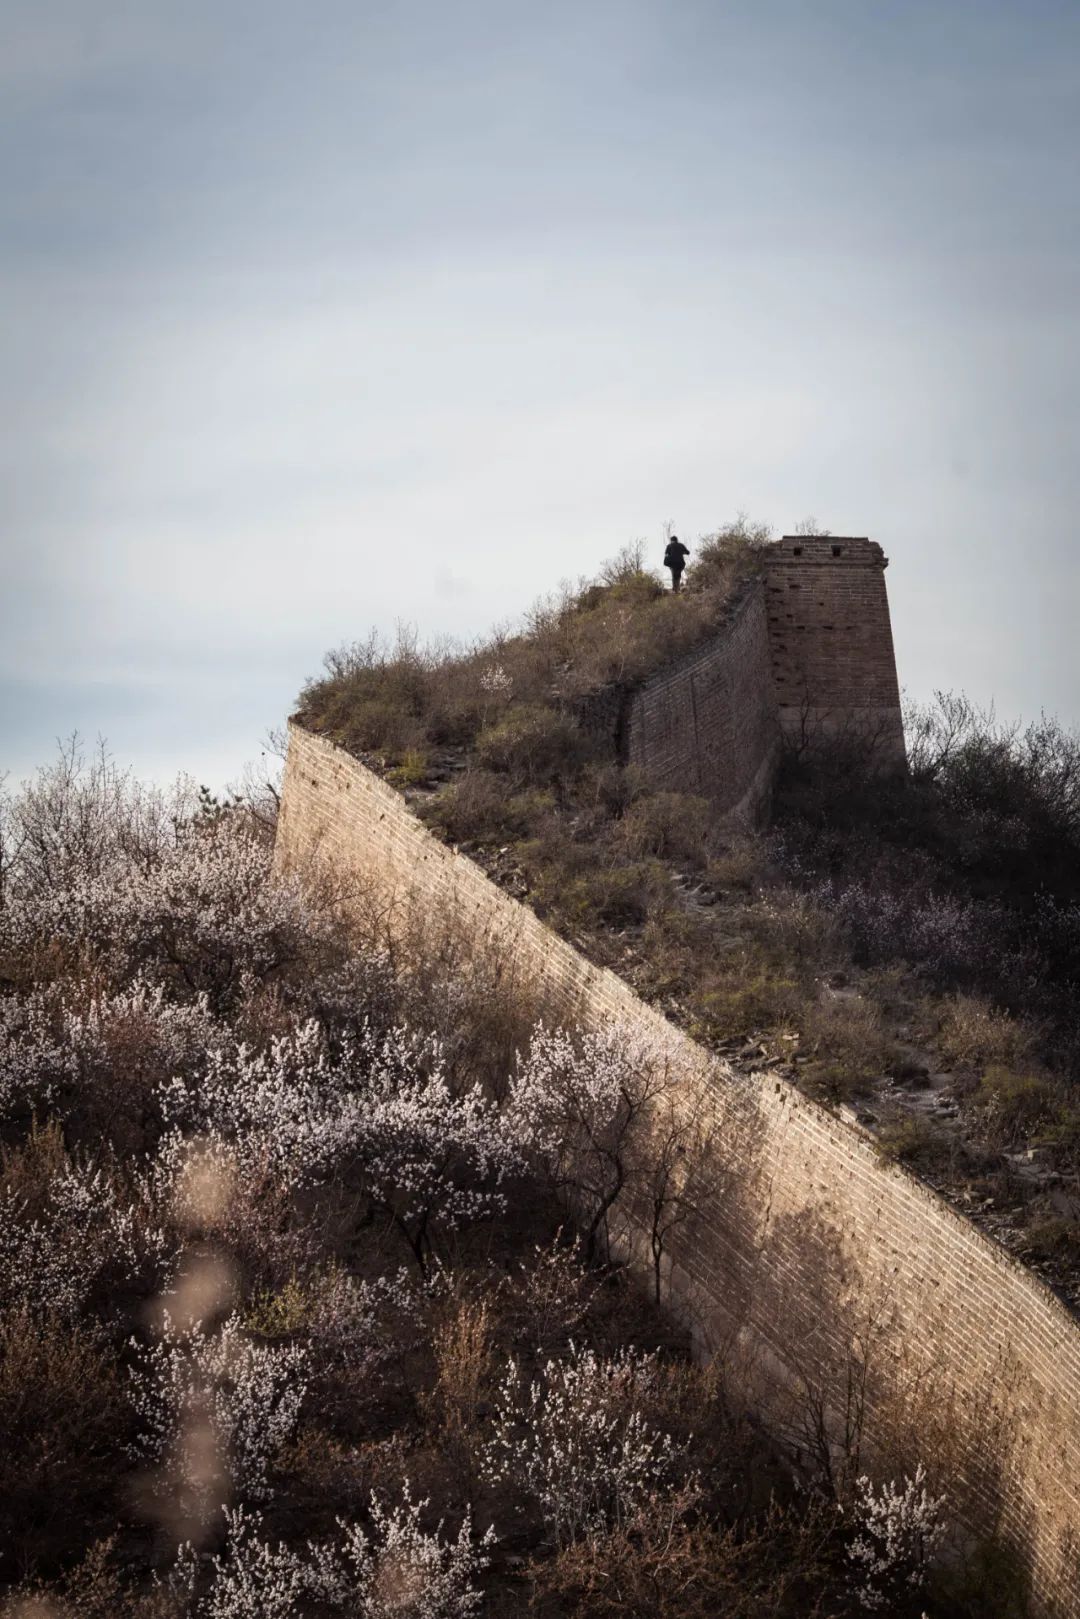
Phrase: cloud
pixel 320 319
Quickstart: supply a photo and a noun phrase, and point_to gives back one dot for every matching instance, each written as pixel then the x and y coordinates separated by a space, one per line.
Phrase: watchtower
pixel 830 643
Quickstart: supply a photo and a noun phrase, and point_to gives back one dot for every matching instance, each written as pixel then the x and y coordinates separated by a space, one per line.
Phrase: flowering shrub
pixel 82 1239
pixel 250 1393
pixel 206 914
pixel 951 938
pixel 899 1527
pixel 432 1156
pixel 34 1056
pixel 285 1106
pixel 399 1571
pixel 394 1571
pixel 429 1155
pixel 547 1299
pixel 581 1108
pixel 252 1579
pixel 362 1324
pixel 495 682
pixel 576 1440
pixel 99 1057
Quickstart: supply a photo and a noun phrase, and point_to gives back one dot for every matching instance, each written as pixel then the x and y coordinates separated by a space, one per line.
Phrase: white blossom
pixel 899 1528
pixel 83 1235
pixel 577 1441
pixel 399 1571
pixel 581 1107
pixel 250 1393
pixel 254 1580
pixel 359 1323
pixel 206 911
pixel 34 1055
pixel 52 1053
pixel 287 1105
pixel 394 1570
pixel 495 681
pixel 432 1155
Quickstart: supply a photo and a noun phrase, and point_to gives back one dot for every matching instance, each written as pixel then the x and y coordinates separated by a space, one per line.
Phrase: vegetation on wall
pixel 516 699
pixel 908 946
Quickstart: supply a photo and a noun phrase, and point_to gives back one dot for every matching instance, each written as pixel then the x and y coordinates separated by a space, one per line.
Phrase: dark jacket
pixel 673 556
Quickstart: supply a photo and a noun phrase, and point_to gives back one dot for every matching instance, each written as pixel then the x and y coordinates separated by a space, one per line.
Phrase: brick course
pixel 830 636
pixel 803 1232
pixel 804 653
pixel 707 723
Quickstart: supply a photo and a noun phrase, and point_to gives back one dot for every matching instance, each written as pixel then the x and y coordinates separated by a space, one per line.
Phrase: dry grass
pixel 669 1564
pixel 513 698
pixel 1009 1106
pixel 973 1033
pixel 848 1044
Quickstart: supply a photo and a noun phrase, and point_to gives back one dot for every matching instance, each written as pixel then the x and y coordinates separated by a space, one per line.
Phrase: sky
pixel 328 316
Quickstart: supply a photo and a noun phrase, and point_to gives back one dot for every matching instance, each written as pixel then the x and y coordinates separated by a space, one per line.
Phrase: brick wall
pixel 805 1240
pixel 833 664
pixel 707 723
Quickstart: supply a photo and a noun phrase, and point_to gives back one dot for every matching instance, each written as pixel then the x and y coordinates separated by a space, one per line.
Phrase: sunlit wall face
pixel 315 318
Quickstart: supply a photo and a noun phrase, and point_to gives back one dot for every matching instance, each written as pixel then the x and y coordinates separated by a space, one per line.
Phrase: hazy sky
pixel 328 315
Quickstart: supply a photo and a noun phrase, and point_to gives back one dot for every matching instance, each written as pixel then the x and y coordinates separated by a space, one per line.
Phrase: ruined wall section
pixel 803 1236
pixel 830 636
pixel 707 723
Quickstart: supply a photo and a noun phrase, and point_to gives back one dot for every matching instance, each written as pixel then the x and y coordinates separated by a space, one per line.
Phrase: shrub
pixel 794 927
pixel 64 1428
pixel 214 1410
pixel 973 1032
pixel 604 897
pixel 477 808
pixel 584 1110
pixel 1054 1238
pixel 531 743
pixel 740 866
pixel 668 826
pixel 401 1571
pixel 731 554
pixel 670 1561
pixel 1009 1106
pixel 412 768
pixel 847 1042
pixel 68 1236
pixel 575 1440
pixel 464 1371
pixel 546 1299
pixel 744 993
pixel 910 1139
pixel 899 1529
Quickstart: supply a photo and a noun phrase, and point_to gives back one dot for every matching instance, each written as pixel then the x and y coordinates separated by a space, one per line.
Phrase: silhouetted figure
pixel 674 558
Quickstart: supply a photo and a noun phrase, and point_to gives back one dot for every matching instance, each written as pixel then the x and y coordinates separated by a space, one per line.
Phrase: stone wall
pixel 707 723
pixel 830 637
pixel 804 654
pixel 806 1245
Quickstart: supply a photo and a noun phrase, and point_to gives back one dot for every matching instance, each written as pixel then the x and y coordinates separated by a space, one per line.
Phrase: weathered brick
pixel 803 1229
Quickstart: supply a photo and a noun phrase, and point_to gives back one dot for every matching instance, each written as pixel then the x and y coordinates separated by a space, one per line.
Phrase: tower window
pixel 837 550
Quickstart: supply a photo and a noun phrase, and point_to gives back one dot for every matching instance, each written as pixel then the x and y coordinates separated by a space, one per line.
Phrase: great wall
pixel 808 1252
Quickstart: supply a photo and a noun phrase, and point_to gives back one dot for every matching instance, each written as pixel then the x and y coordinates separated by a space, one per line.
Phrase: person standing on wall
pixel 675 559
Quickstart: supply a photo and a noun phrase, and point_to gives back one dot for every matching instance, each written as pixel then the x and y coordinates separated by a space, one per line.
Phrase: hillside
pixel 313 1292
pixel 293 1317
pixel 904 947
